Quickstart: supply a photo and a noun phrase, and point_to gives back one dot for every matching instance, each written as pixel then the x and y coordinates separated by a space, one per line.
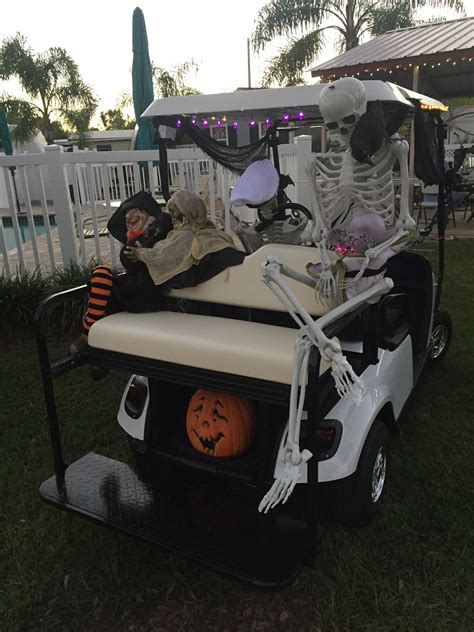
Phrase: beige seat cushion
pixel 218 344
pixel 243 286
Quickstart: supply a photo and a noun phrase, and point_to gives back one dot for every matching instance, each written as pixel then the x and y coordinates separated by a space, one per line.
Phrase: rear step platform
pixel 220 530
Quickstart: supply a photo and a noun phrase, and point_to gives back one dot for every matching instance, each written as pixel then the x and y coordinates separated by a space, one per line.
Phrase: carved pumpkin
pixel 220 425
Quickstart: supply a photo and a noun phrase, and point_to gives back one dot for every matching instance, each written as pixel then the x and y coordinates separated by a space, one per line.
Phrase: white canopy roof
pixel 277 101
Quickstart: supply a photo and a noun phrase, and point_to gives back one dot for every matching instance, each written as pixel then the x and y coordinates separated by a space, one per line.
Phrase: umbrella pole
pixel 163 155
pixel 12 171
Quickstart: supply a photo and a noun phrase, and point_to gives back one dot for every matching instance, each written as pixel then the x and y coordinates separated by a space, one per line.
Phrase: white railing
pixel 73 194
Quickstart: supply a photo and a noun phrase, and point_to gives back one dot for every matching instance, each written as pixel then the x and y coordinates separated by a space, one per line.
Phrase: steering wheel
pixel 279 213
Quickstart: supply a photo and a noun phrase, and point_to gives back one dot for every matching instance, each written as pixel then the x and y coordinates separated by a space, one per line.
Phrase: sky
pixel 98 36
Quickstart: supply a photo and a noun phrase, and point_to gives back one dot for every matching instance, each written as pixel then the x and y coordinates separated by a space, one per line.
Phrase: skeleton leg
pixel 285 482
pixel 347 382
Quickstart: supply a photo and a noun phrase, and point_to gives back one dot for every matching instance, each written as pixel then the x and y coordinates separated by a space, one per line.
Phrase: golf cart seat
pixel 225 345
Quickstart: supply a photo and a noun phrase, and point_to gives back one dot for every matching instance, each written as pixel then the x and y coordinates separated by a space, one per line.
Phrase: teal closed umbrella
pixel 5 137
pixel 142 82
pixel 7 148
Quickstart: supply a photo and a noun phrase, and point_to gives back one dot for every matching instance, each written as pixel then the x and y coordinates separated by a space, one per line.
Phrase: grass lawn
pixel 413 570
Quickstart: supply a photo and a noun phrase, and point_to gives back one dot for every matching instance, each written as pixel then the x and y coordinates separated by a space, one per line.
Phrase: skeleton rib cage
pixel 341 185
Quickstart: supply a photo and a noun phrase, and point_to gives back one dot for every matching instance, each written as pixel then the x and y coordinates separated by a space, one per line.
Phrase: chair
pixel 429 200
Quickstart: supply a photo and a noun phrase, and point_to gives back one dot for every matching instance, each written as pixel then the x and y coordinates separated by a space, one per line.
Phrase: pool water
pixel 25 233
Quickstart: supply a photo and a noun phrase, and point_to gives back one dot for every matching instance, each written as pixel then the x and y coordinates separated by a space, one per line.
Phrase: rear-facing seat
pixel 224 345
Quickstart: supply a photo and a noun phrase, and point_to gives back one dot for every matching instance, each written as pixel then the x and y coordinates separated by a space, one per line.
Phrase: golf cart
pixel 324 382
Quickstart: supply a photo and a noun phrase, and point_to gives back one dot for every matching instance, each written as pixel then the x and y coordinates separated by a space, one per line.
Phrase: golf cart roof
pixel 278 101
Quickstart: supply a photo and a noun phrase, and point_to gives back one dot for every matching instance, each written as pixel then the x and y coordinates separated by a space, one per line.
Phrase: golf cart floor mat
pixel 212 527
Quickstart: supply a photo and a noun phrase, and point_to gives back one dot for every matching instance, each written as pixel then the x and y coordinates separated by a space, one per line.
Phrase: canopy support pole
pixel 411 164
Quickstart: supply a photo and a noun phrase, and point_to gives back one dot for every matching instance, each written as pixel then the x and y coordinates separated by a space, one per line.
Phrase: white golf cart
pixel 328 381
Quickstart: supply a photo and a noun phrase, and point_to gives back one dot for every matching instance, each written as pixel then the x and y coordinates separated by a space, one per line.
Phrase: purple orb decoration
pixel 300 115
pixel 286 117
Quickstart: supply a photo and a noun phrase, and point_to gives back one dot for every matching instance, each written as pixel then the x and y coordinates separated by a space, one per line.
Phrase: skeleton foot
pixel 285 483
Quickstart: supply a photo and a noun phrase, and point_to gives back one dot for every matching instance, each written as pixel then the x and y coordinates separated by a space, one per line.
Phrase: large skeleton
pixel 342 189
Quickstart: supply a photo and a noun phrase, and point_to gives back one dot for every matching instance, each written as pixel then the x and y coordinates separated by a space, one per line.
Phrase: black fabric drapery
pixel 236 159
pixel 427 162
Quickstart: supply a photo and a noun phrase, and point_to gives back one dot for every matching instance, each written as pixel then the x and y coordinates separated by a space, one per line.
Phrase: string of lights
pixel 220 121
pixel 390 69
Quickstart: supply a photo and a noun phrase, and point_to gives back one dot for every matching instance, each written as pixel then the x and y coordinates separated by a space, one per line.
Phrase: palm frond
pixel 288 66
pixel 456 5
pixel 286 17
pixel 24 115
pixel 388 16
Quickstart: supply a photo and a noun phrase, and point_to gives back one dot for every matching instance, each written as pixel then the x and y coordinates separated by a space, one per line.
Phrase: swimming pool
pixel 25 233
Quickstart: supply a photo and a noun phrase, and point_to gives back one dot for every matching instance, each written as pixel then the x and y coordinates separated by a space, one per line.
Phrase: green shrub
pixel 20 296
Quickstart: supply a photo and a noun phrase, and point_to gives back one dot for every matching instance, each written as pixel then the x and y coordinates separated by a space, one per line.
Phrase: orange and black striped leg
pixel 99 295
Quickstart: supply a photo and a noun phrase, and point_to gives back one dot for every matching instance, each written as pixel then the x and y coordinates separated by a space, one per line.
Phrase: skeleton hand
pixel 346 381
pixel 326 285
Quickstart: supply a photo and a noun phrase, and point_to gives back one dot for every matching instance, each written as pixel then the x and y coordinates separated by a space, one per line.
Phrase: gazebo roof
pixel 446 47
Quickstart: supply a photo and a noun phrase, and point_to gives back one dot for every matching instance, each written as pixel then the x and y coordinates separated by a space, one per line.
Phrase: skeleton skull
pixel 342 103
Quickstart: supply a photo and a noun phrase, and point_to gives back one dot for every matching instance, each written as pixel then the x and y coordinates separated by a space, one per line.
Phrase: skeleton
pixel 342 189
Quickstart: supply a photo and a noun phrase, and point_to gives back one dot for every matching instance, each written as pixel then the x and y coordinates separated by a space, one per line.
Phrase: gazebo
pixel 435 59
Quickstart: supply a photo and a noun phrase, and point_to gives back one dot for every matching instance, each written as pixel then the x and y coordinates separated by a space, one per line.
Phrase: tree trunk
pixel 47 130
pixel 351 36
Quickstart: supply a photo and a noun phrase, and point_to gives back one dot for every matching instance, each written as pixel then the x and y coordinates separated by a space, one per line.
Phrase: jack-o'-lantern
pixel 219 424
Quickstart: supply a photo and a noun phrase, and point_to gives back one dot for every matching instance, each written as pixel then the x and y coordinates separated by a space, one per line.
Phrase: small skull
pixel 342 103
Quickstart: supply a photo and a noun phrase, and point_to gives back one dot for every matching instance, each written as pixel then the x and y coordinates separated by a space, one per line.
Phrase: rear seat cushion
pixel 225 345
pixel 242 285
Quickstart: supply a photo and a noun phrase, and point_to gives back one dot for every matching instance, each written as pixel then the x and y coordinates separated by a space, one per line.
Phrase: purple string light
pixel 179 123
pixel 219 123
pixel 235 124
pixel 204 123
pixel 252 123
pixel 286 117
pixel 300 115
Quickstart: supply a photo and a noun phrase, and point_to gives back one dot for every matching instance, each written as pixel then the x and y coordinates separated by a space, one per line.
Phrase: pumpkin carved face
pixel 219 424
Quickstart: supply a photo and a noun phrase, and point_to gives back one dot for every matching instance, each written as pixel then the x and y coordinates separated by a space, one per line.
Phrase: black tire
pixel 441 335
pixel 357 497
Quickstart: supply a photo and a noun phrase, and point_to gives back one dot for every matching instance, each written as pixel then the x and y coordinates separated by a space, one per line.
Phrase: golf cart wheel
pixel 358 496
pixel 440 336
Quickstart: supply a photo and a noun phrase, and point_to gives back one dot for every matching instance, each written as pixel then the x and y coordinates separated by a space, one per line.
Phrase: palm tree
pixel 307 22
pixel 57 95
pixel 172 83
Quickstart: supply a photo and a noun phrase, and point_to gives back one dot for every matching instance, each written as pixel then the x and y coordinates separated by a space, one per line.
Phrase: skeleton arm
pixel 404 221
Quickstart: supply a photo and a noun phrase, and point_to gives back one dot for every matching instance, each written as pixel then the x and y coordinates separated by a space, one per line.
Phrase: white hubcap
pixel 378 474
pixel 439 339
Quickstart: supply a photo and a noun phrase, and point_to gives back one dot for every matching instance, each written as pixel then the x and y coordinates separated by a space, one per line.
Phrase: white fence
pixel 72 195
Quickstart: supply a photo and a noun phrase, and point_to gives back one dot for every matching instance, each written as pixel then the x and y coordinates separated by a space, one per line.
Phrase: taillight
pixel 326 438
pixel 136 397
pixel 329 437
